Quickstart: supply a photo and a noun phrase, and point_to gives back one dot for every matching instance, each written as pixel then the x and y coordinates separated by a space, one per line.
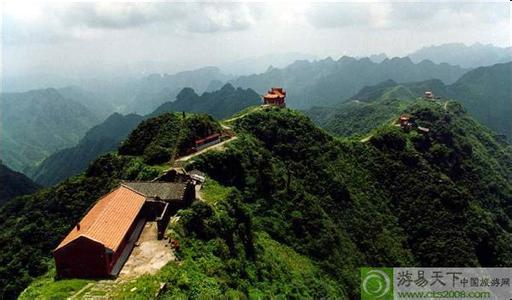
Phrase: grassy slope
pixel 45 287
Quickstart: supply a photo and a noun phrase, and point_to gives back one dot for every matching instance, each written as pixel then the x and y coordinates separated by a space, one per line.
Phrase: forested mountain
pixel 371 106
pixel 356 117
pixel 156 89
pixel 32 225
pixel 98 140
pixel 326 82
pixel 219 104
pixel 302 211
pixel 96 104
pixel 13 184
pixel 106 136
pixel 485 93
pixel 473 56
pixel 38 123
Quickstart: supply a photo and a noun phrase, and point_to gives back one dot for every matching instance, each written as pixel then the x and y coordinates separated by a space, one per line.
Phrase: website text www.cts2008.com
pixel 444 294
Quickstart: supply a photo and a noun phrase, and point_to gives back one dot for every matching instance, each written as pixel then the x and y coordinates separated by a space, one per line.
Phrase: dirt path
pixel 199 194
pixel 366 139
pixel 241 116
pixel 149 254
pixel 218 146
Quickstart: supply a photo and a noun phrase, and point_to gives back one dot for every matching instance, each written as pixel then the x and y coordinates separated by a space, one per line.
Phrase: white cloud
pixel 191 34
pixel 39 23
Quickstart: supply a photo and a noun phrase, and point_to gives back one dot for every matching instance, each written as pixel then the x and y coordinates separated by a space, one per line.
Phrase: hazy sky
pixel 89 36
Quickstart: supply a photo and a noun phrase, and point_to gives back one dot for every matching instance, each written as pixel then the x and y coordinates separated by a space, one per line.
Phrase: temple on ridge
pixel 275 96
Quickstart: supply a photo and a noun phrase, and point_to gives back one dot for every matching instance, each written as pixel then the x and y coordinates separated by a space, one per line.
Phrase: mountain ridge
pixel 39 122
pixel 14 184
pixel 328 81
pixel 107 136
pixel 473 56
pixel 299 189
pixel 483 92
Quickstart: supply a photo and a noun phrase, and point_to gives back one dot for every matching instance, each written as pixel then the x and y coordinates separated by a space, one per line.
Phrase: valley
pixel 255 150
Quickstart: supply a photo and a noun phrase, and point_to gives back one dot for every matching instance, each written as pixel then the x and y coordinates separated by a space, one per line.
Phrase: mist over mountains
pixel 253 150
pixel 37 123
pixel 328 81
pixel 484 92
pixel 472 56
pixel 290 183
pixel 310 84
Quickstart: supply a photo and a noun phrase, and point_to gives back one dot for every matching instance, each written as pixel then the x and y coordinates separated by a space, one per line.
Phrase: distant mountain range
pixel 327 81
pixel 38 123
pixel 156 89
pixel 14 184
pixel 485 92
pixel 256 65
pixel 310 83
pixel 220 104
pixel 98 105
pixel 98 140
pixel 52 119
pixel 107 136
pixel 473 56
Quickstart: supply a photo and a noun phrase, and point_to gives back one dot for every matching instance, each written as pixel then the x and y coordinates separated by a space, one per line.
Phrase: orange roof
pixel 108 221
pixel 271 96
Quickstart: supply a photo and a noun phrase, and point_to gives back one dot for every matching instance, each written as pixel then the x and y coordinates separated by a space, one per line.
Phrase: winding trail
pixel 218 146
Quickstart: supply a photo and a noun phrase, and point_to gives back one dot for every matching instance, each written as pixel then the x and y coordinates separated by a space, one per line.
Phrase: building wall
pixel 86 258
pixel 82 258
pixel 117 254
pixel 190 194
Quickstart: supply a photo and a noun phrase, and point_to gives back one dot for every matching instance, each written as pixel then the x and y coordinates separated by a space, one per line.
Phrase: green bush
pixel 155 154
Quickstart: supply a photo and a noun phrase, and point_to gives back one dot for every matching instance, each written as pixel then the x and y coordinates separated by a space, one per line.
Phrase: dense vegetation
pixel 219 104
pixel 356 117
pixel 161 138
pixel 98 140
pixel 305 210
pixel 487 95
pixel 484 92
pixel 38 123
pixel 156 89
pixel 33 225
pixel 14 184
pixel 327 82
pixel 300 211
pixel 108 135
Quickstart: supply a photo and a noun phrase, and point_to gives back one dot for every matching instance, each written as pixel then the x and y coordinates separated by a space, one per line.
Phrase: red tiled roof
pixel 108 221
pixel 271 96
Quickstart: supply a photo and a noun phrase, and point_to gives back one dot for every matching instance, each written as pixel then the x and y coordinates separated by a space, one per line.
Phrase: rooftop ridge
pixel 134 190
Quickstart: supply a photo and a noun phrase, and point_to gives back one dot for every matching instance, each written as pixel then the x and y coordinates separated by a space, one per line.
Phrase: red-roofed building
pixel 429 95
pixel 94 245
pixel 101 242
pixel 276 96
